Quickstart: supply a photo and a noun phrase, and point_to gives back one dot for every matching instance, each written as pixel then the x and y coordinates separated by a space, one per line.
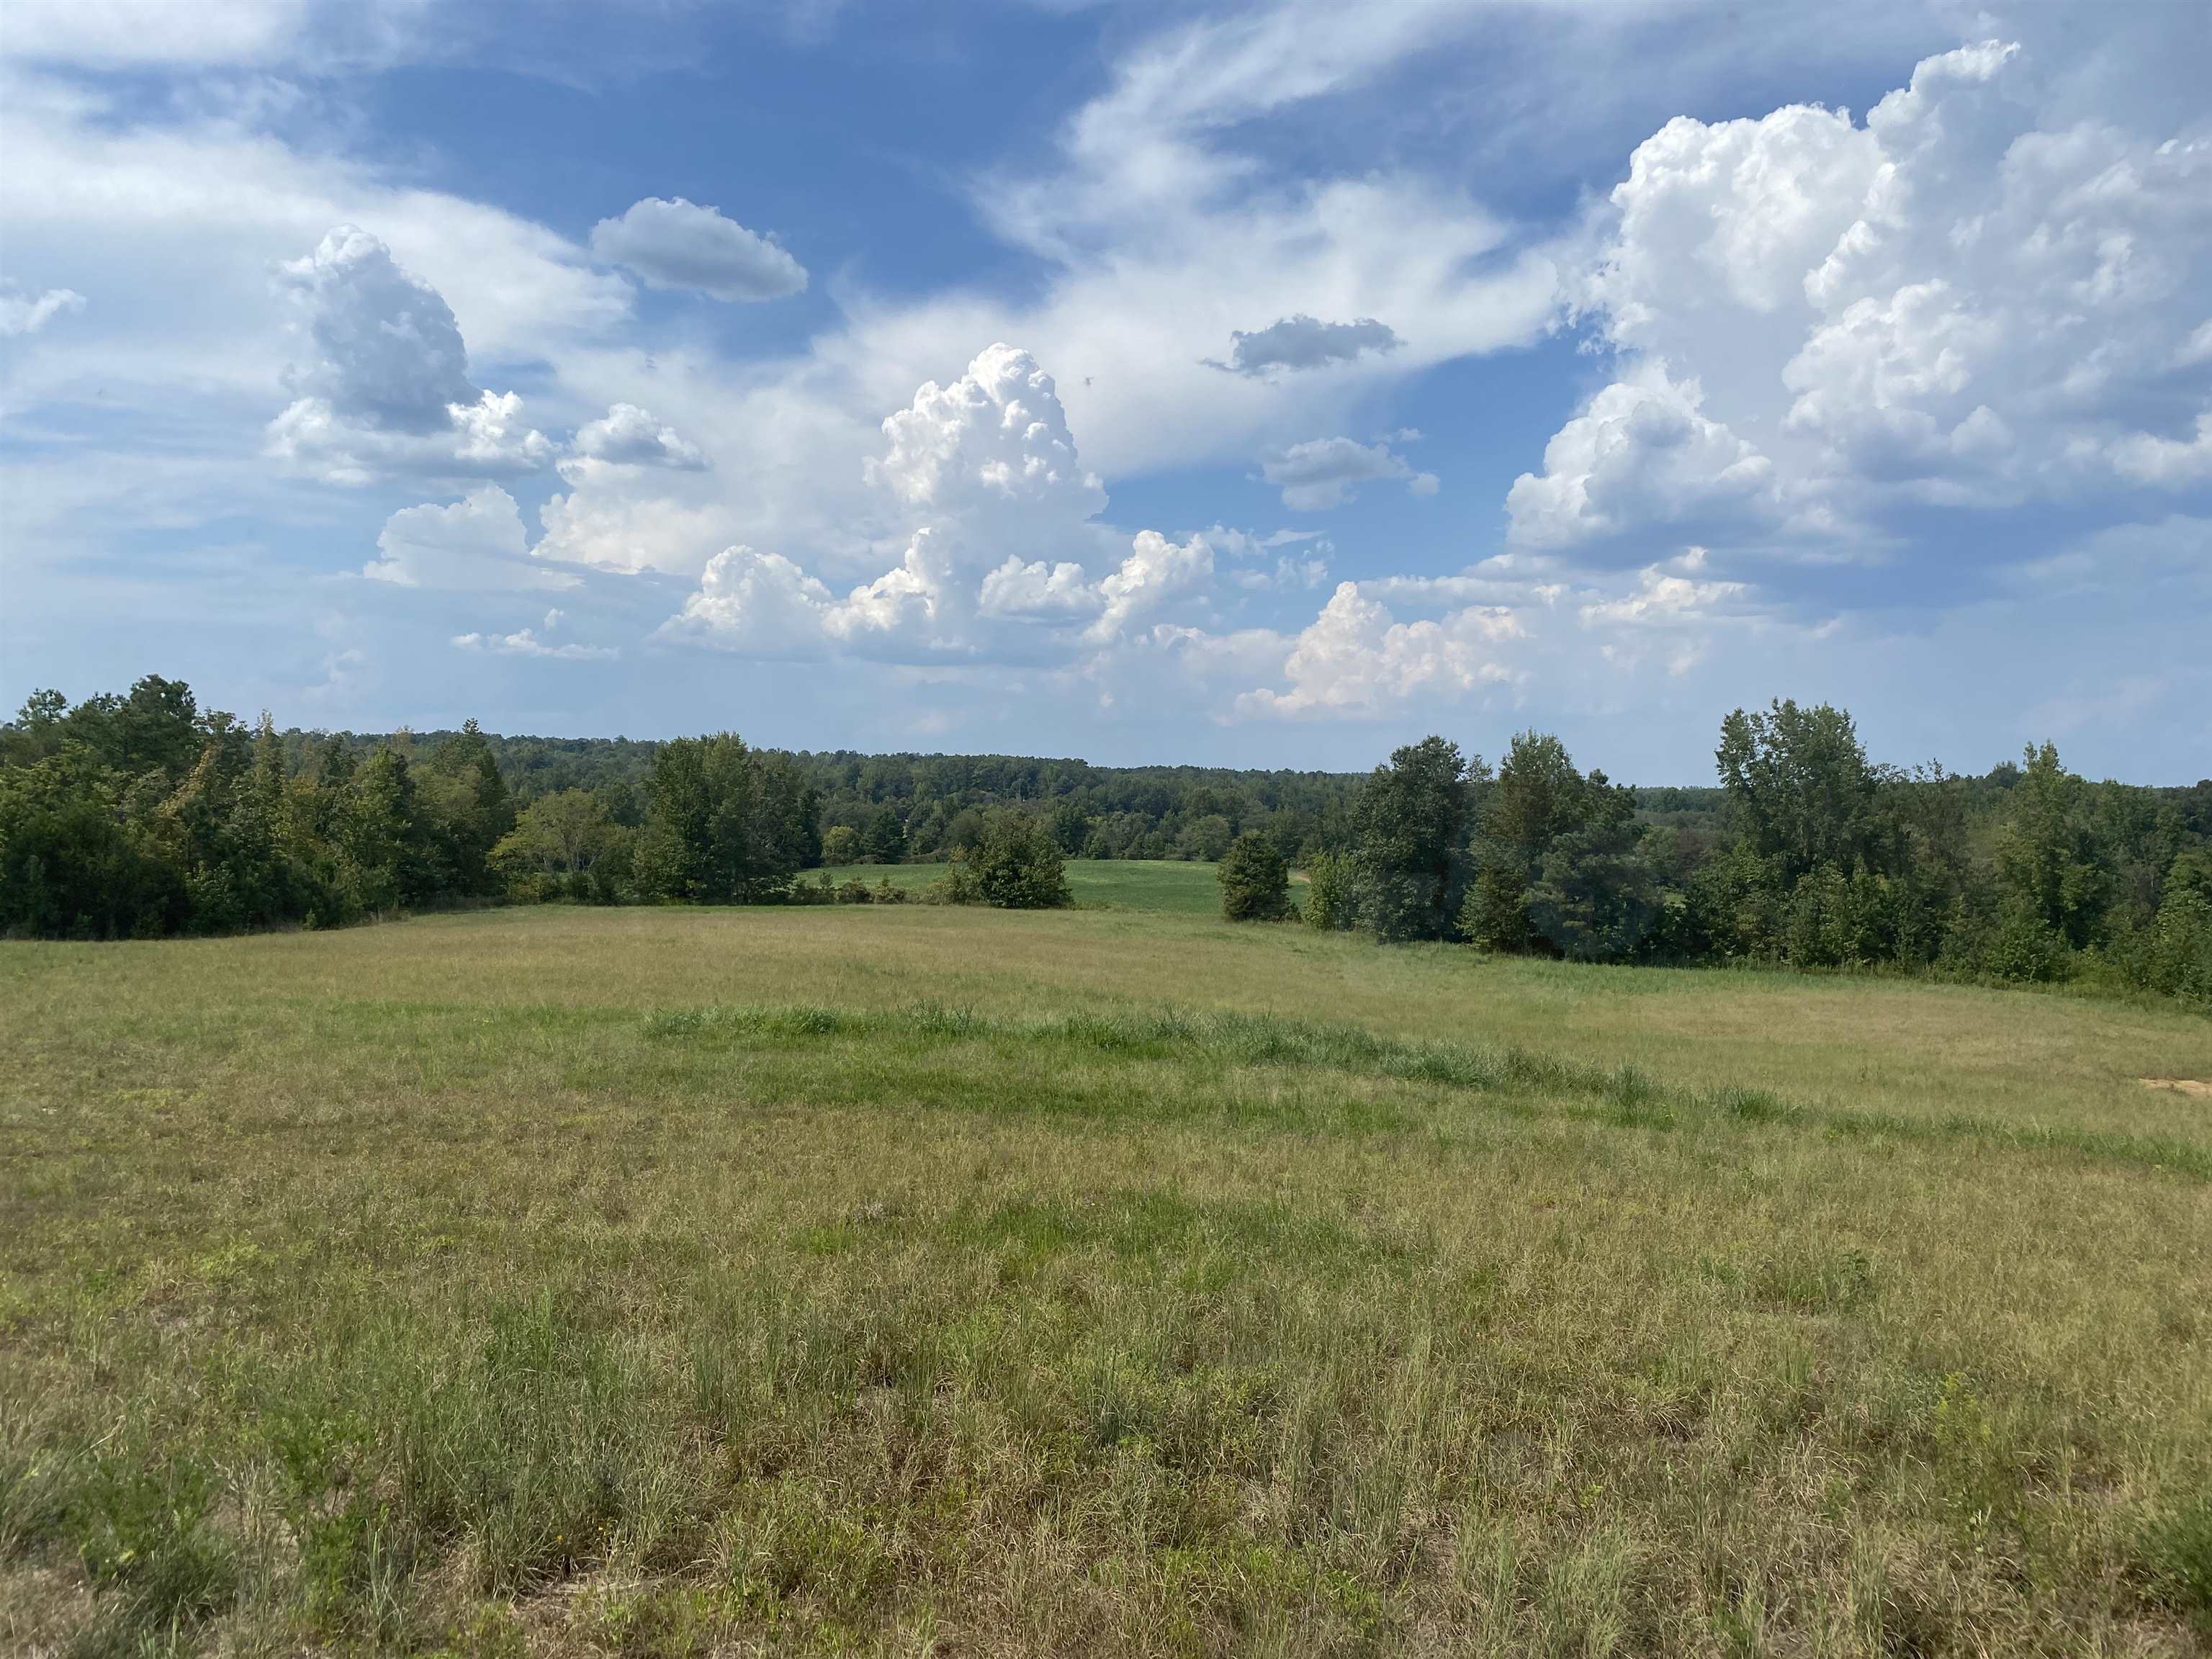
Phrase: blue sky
pixel 1262 386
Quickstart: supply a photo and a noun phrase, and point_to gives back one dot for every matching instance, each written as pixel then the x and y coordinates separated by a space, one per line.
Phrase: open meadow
pixel 912 1279
pixel 1180 888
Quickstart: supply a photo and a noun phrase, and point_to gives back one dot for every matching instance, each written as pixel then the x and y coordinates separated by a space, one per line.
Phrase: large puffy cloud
pixel 761 604
pixel 1357 658
pixel 631 436
pixel 1830 328
pixel 986 472
pixel 387 350
pixel 679 245
pixel 995 438
pixel 487 437
pixel 1640 455
pixel 1324 472
pixel 475 543
pixel 1037 588
pixel 1155 570
pixel 605 520
pixel 386 387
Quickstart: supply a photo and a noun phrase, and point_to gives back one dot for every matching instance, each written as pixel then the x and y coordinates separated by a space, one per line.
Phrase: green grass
pixel 906 1280
pixel 1118 883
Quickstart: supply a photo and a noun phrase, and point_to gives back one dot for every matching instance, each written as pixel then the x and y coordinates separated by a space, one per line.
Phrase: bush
pixel 2017 945
pixel 1255 883
pixel 1331 892
pixel 1016 865
pixel 2180 954
pixel 956 886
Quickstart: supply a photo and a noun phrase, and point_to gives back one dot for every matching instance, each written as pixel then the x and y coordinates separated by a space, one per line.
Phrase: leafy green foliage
pixel 144 814
pixel 566 844
pixel 1331 892
pixel 1017 865
pixel 1255 882
pixel 1411 825
pixel 725 823
pixel 1799 788
pixel 1595 898
pixel 2050 864
pixel 886 837
pixel 1560 864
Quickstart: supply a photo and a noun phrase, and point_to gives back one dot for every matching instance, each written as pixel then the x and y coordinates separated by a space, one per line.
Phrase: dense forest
pixel 885 808
pixel 140 814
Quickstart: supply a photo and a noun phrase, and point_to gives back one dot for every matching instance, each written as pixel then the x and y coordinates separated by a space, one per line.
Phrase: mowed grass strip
pixel 638 1284
pixel 1621 1094
pixel 1162 886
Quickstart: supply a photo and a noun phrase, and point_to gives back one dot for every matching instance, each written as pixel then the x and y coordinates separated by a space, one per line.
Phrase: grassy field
pixel 919 1280
pixel 1112 883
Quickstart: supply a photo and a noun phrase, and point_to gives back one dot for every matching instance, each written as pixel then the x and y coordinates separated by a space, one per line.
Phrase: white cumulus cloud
pixel 1357 658
pixel 1035 588
pixel 386 388
pixel 1972 300
pixel 2170 463
pixel 632 436
pixel 994 498
pixel 1324 472
pixel 1155 570
pixel 677 244
pixel 476 544
pixel 761 604
pixel 1641 454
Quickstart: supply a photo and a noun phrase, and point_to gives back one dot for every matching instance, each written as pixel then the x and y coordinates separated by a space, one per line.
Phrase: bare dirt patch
pixel 2181 1085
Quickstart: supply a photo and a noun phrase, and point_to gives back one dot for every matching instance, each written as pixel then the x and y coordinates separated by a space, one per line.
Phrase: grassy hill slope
pixel 901 1279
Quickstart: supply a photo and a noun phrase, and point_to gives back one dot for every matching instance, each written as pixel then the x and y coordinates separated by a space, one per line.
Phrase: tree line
pixel 888 809
pixel 1818 858
pixel 140 814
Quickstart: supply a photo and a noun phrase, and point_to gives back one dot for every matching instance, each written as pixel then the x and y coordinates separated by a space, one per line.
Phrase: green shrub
pixel 1016 865
pixel 2178 961
pixel 1331 892
pixel 2025 948
pixel 143 1535
pixel 2180 1551
pixel 1255 882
